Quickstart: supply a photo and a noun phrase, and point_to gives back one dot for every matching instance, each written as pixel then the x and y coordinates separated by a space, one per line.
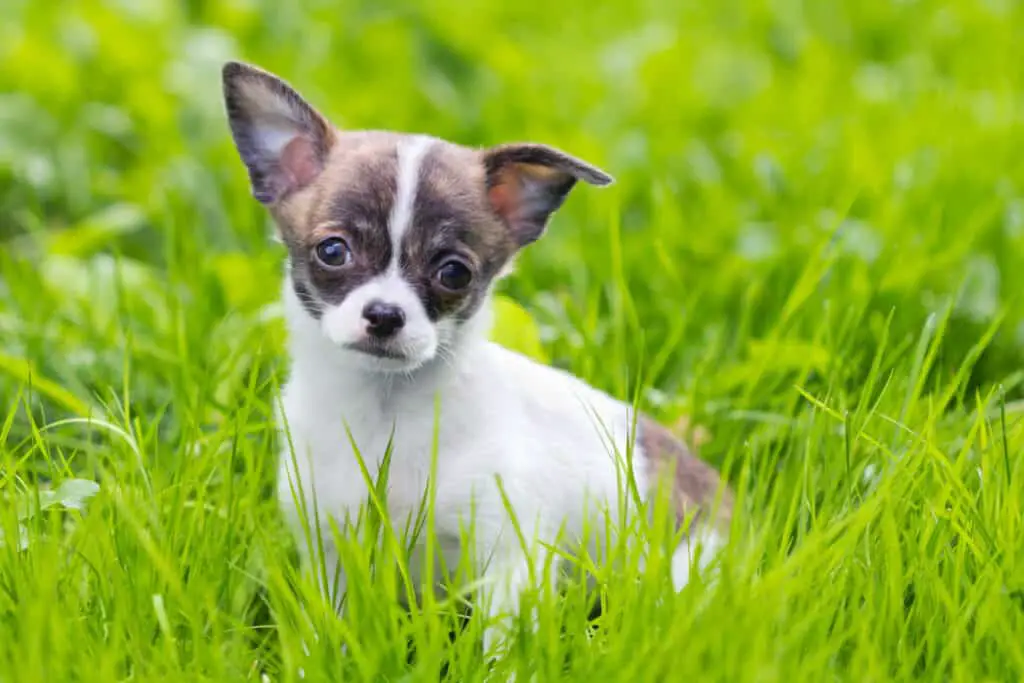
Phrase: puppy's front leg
pixel 502 585
pixel 322 564
pixel 505 579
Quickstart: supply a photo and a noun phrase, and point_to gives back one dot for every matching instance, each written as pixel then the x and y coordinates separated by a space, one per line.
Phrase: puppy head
pixel 394 240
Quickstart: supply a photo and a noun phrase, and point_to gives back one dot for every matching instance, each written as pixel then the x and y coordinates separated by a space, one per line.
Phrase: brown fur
pixel 350 198
pixel 453 218
pixel 526 183
pixel 696 486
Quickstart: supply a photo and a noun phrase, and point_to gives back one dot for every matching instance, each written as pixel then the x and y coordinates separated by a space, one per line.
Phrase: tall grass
pixel 814 251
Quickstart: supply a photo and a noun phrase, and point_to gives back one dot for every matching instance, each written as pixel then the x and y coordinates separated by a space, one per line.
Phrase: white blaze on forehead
pixel 345 323
pixel 411 153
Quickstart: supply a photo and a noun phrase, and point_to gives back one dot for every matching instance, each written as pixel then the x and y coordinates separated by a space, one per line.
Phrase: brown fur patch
pixel 695 485
pixel 351 198
pixel 357 186
pixel 451 218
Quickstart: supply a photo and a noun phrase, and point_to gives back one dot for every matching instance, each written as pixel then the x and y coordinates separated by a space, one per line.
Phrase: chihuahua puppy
pixel 394 245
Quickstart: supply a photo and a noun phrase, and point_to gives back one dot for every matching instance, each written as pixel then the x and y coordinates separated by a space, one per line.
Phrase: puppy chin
pixel 397 356
pixel 386 366
pixel 403 361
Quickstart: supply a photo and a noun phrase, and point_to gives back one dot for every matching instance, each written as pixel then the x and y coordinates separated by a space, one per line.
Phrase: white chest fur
pixel 557 445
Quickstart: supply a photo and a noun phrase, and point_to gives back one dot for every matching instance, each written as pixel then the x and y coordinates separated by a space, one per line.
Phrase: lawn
pixel 814 250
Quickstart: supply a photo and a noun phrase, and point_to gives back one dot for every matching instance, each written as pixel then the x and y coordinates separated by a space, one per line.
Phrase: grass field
pixel 815 249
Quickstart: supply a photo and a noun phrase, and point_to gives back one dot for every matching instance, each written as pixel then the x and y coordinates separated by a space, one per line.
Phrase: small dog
pixel 394 244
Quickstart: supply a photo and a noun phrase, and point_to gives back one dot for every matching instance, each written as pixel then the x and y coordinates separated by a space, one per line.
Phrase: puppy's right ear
pixel 527 182
pixel 282 140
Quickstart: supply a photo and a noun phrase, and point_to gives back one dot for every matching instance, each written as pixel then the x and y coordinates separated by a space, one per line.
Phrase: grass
pixel 815 249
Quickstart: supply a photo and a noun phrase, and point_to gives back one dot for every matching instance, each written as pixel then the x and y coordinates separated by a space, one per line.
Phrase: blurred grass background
pixel 815 246
pixel 746 138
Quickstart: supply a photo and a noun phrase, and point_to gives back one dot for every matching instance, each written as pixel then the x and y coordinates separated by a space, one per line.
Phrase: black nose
pixel 383 320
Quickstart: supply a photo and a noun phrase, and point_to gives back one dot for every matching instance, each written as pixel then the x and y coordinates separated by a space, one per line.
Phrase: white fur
pixel 418 339
pixel 553 440
pixel 411 152
pixel 556 445
pixel 695 552
pixel 274 138
pixel 277 123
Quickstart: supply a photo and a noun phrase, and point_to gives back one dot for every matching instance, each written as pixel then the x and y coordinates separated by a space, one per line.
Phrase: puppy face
pixel 394 240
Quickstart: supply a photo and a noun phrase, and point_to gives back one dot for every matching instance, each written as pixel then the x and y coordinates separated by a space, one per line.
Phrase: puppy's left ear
pixel 281 138
pixel 526 183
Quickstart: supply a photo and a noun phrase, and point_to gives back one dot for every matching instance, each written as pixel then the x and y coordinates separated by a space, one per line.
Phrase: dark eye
pixel 454 275
pixel 333 252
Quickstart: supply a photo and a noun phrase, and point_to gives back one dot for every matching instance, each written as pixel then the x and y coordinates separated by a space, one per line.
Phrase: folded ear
pixel 282 140
pixel 526 183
